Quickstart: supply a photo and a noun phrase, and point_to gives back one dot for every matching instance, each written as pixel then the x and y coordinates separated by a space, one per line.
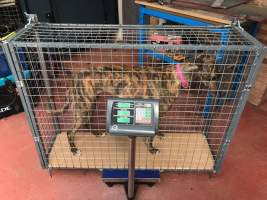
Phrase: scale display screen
pixel 125 116
pixel 123 113
pixel 132 113
pixel 143 113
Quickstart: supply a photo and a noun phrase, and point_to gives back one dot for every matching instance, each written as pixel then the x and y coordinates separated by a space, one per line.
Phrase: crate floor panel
pixel 181 151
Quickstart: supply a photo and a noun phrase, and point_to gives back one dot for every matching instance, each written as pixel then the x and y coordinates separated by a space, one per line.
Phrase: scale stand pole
pixel 131 167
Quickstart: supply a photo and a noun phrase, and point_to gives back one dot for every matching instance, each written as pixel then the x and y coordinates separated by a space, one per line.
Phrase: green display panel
pixel 148 113
pixel 123 105
pixel 123 113
pixel 125 120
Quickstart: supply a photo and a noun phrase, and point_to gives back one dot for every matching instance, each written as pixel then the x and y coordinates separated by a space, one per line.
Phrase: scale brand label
pixel 5 109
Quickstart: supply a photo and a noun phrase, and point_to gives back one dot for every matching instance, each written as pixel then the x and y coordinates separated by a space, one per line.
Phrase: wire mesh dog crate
pixel 201 75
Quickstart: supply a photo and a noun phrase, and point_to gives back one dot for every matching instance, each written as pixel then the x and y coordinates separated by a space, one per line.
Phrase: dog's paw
pixel 154 151
pixel 102 134
pixel 78 153
pixel 161 136
pixel 75 151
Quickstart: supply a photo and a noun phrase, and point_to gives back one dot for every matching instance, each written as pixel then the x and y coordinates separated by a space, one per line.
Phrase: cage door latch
pixel 19 84
pixel 36 139
pixel 247 88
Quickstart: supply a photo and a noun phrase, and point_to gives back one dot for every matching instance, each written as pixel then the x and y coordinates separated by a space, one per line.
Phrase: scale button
pixel 114 127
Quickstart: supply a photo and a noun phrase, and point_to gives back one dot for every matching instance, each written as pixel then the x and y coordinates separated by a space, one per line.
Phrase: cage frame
pixel 9 45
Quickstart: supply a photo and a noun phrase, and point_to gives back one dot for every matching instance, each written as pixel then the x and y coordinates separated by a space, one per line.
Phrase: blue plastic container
pixel 4 68
pixel 5 72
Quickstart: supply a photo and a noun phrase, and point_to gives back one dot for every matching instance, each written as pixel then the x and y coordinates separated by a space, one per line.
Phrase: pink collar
pixel 181 76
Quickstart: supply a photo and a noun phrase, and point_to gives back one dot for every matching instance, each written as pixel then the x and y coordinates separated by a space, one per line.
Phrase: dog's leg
pixel 71 136
pixel 160 135
pixel 150 145
pixel 92 106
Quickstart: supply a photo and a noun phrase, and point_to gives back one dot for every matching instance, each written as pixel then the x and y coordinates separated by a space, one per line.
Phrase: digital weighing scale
pixel 132 118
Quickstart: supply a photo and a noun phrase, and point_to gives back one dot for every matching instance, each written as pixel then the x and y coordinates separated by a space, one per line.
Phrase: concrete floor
pixel 244 174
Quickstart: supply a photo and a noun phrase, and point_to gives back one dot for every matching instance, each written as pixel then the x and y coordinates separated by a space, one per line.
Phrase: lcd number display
pixel 124 112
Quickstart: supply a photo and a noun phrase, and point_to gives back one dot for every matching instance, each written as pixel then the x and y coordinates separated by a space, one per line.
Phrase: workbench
pixel 201 16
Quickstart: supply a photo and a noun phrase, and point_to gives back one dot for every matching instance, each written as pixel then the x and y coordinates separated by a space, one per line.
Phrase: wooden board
pixel 153 20
pixel 208 3
pixel 178 151
pixel 260 2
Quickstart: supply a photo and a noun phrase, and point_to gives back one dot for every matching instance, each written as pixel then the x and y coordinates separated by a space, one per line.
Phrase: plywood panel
pixel 177 151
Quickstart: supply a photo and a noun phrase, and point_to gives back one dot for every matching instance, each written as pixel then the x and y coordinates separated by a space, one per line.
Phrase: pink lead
pixel 181 76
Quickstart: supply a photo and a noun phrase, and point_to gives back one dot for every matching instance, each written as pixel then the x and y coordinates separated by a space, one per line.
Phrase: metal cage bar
pixel 240 107
pixel 25 102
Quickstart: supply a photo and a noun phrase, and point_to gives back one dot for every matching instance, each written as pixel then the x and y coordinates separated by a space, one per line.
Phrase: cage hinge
pixel 247 88
pixel 31 18
pixel 227 141
pixel 19 84
pixel 236 22
pixel 36 139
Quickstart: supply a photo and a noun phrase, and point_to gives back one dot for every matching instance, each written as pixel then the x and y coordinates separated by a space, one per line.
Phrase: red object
pixel 181 76
pixel 163 39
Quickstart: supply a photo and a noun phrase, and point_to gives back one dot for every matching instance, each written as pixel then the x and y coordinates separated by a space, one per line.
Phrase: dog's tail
pixel 63 109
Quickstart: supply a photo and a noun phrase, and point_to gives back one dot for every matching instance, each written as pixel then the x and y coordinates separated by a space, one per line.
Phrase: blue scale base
pixel 121 175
